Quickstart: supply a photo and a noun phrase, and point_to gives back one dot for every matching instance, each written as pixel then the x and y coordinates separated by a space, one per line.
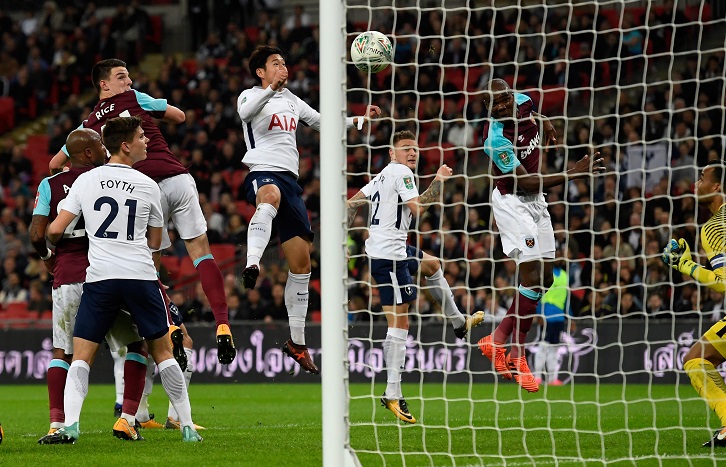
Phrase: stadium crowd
pixel 654 137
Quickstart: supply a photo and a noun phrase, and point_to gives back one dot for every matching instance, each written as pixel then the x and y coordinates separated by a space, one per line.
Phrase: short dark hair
pixel 119 130
pixel 102 71
pixel 403 134
pixel 259 57
pixel 719 171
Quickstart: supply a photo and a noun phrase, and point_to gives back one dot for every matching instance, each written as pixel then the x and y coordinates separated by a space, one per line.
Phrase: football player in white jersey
pixel 394 201
pixel 270 114
pixel 122 211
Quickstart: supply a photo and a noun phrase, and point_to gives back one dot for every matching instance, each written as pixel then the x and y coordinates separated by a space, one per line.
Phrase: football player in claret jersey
pixel 704 357
pixel 69 261
pixel 122 212
pixel 270 115
pixel 179 197
pixel 394 201
pixel 512 142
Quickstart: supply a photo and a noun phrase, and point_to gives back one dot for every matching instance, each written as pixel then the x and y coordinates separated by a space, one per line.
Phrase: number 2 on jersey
pixel 113 212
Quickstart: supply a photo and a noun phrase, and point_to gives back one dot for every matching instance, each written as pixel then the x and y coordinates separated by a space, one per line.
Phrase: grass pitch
pixel 279 424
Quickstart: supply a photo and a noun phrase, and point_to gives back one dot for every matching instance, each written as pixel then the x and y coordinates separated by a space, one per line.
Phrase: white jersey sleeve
pixel 118 204
pixel 390 217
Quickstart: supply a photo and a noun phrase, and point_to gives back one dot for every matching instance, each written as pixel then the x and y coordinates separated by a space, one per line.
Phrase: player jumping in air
pixel 709 351
pixel 512 141
pixel 394 202
pixel 270 114
pixel 179 197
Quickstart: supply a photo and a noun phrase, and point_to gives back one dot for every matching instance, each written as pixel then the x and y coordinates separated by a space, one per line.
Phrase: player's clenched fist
pixel 444 172
pixel 280 78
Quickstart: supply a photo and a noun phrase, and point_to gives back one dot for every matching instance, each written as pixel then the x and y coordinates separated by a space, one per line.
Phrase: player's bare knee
pixel 430 265
pixel 198 246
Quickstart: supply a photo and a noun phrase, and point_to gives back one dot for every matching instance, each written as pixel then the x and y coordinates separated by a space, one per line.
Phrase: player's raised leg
pixel 267 200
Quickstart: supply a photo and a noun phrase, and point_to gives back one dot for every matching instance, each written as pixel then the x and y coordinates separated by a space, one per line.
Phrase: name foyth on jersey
pixel 122 184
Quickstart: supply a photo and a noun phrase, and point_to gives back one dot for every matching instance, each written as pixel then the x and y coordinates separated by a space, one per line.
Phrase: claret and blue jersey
pixel 513 142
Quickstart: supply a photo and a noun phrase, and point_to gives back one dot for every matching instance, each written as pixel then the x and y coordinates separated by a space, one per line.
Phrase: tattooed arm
pixel 432 193
pixel 352 205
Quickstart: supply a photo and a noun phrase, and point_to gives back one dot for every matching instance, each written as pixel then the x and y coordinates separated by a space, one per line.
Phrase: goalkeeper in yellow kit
pixel 710 350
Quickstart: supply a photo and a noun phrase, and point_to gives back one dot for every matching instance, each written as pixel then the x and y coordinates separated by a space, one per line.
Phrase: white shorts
pixel 525 226
pixel 180 203
pixel 123 332
pixel 66 299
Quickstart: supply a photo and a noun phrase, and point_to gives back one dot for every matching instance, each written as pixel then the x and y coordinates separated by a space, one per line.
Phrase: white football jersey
pixel 118 203
pixel 270 120
pixel 390 216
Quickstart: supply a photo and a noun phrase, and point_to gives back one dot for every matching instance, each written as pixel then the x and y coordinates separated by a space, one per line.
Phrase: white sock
pixel 76 391
pixel 173 381
pixel 441 292
pixel 296 300
pixel 553 357
pixel 142 415
pixel 187 379
pixel 118 376
pixel 258 232
pixel 394 355
pixel 540 359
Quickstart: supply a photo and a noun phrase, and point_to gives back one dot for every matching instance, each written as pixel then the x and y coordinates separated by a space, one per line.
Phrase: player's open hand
pixel 676 252
pixel 443 173
pixel 280 79
pixel 589 164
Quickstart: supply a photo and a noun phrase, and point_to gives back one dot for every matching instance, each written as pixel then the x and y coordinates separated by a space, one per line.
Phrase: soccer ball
pixel 371 51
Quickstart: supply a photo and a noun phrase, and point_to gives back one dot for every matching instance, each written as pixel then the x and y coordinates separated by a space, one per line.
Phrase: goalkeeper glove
pixel 677 254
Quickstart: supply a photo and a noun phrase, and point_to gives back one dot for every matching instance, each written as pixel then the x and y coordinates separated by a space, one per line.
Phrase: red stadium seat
pixel 171 264
pixel 553 101
pixel 7 114
pixel 237 179
pixel 19 313
pixel 246 210
pixel 223 252
pixel 187 269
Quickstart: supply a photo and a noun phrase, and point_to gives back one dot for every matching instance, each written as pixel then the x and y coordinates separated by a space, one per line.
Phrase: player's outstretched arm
pixel 57 163
pixel 173 115
pixel 677 254
pixel 536 183
pixel 353 204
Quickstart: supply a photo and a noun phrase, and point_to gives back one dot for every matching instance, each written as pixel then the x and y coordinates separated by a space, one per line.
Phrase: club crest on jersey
pixel 408 182
pixel 505 158
pixel 291 105
pixel 529 241
pixel 408 290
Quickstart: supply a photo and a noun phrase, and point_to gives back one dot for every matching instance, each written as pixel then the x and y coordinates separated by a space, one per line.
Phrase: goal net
pixel 642 83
